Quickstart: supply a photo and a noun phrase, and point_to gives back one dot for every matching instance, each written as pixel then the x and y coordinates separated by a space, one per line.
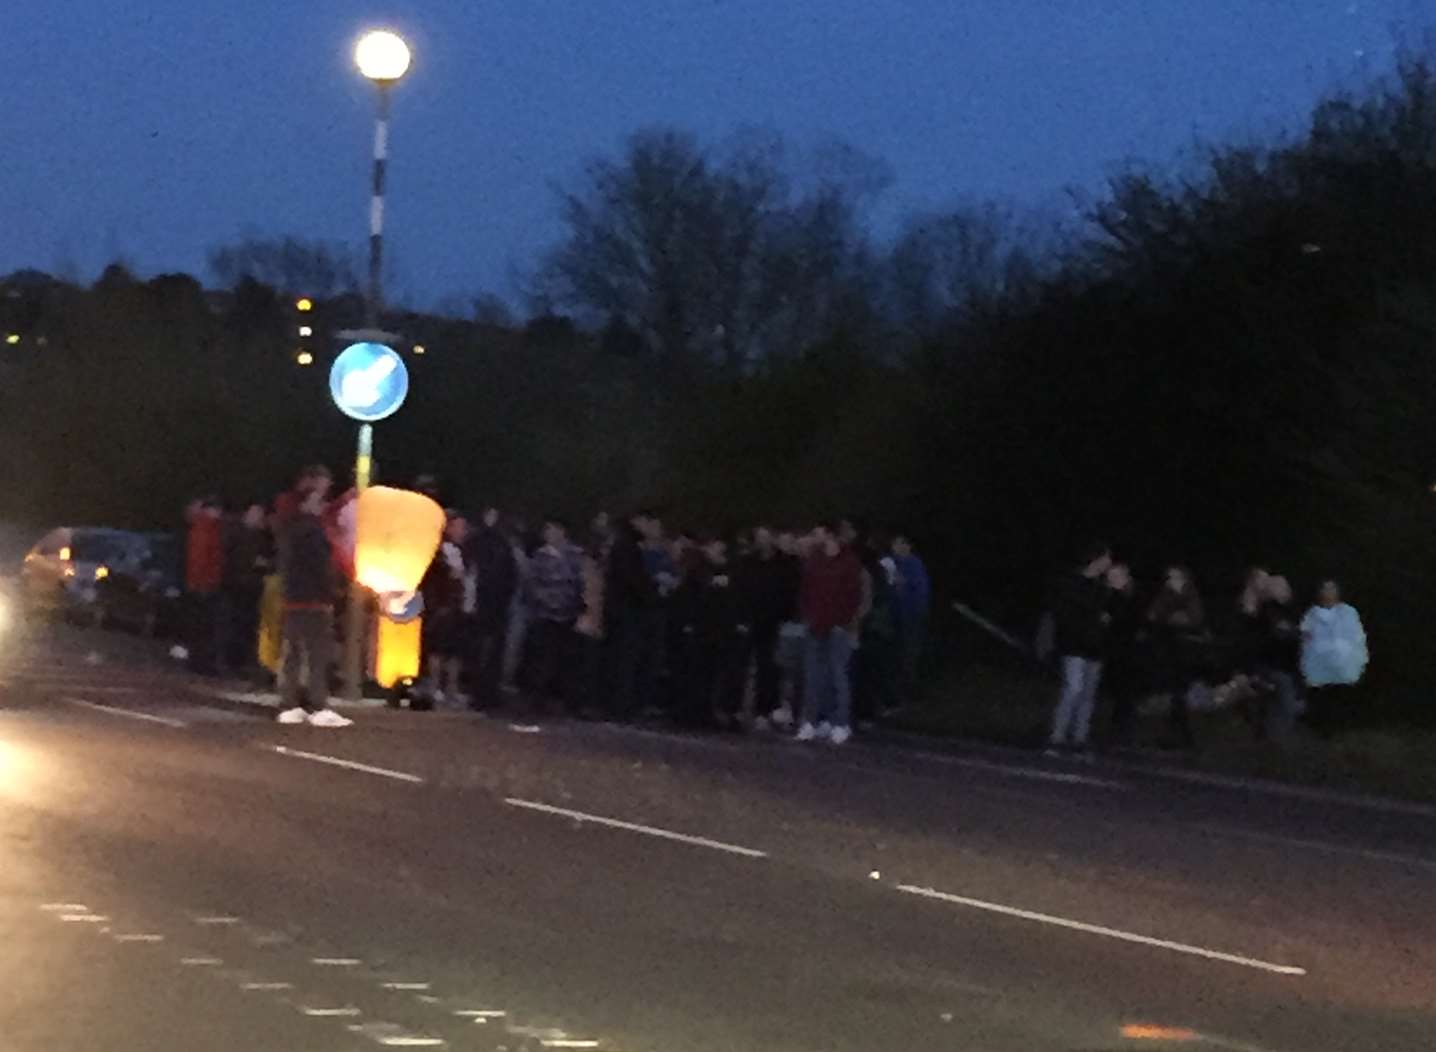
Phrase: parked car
pixel 62 572
pixel 145 596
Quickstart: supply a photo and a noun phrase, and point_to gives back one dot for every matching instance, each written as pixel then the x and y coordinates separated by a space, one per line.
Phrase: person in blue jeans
pixel 830 599
pixel 1081 617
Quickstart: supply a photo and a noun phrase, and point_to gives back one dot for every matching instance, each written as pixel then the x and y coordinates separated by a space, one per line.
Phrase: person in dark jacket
pixel 1123 668
pixel 306 561
pixel 248 558
pixel 490 560
pixel 707 615
pixel 768 583
pixel 1178 623
pixel 630 604
pixel 1276 661
pixel 830 599
pixel 876 662
pixel 445 624
pixel 1080 614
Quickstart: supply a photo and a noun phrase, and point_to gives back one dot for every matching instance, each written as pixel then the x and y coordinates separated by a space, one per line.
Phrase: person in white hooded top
pixel 1333 654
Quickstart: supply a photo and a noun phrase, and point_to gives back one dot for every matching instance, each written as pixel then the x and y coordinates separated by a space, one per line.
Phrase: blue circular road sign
pixel 368 381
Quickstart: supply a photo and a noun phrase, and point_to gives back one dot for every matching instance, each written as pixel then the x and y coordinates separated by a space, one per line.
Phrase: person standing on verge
pixel 590 631
pixel 1333 659
pixel 306 561
pixel 831 599
pixel 555 600
pixel 1179 629
pixel 517 626
pixel 204 581
pixel 1122 666
pixel 248 559
pixel 630 598
pixel 914 602
pixel 443 589
pixel 1080 618
pixel 768 583
pixel 491 561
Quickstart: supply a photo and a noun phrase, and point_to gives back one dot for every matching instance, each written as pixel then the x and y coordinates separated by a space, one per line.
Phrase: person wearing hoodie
pixel 830 599
pixel 306 566
pixel 1333 658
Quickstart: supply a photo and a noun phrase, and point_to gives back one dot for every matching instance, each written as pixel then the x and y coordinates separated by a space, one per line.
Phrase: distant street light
pixel 418 348
pixel 304 304
pixel 304 358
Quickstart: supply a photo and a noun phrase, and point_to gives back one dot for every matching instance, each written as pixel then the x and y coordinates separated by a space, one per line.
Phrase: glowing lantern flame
pixel 397 533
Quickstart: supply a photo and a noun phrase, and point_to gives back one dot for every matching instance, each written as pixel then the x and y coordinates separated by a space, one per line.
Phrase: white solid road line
pixel 1034 773
pixel 634 827
pixel 351 765
pixel 1110 933
pixel 131 713
pixel 1277 840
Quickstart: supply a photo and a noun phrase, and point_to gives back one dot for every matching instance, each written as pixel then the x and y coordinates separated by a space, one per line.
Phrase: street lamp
pixel 382 57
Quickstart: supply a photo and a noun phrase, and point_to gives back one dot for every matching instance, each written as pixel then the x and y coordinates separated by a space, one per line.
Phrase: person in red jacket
pixel 203 578
pixel 829 601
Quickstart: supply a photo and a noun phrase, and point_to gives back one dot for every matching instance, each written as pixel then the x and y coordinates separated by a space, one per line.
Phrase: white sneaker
pixel 806 733
pixel 782 717
pixel 840 735
pixel 825 729
pixel 294 715
pixel 329 718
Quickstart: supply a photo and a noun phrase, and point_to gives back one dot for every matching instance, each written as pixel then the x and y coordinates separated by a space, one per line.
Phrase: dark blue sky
pixel 155 129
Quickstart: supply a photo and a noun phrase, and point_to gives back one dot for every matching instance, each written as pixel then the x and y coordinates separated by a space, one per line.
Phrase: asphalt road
pixel 178 872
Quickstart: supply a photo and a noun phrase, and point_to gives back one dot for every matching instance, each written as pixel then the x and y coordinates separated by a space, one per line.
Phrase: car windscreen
pixel 103 547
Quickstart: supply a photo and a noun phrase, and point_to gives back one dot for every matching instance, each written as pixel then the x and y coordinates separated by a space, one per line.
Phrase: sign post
pixel 368 383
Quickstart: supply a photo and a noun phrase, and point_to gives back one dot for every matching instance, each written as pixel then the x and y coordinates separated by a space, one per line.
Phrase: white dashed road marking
pixel 351 765
pixel 129 713
pixel 1097 929
pixel 634 827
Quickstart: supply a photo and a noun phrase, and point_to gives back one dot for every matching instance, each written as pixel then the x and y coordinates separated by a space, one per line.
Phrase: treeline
pixel 1232 365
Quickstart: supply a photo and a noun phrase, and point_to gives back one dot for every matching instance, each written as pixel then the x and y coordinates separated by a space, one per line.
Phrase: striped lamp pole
pixel 374 301
pixel 383 57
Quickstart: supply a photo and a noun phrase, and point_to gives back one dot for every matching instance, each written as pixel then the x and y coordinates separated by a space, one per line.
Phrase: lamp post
pixel 382 57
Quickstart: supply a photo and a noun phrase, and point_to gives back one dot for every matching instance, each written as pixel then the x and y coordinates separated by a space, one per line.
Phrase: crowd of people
pixel 771 629
pixel 1277 663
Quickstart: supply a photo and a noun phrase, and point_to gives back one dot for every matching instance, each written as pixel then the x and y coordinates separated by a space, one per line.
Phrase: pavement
pixel 179 872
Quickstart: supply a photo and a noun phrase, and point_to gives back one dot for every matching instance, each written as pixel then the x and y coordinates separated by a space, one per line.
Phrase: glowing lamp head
pixel 396 535
pixel 304 358
pixel 101 572
pixel 382 56
pixel 304 304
